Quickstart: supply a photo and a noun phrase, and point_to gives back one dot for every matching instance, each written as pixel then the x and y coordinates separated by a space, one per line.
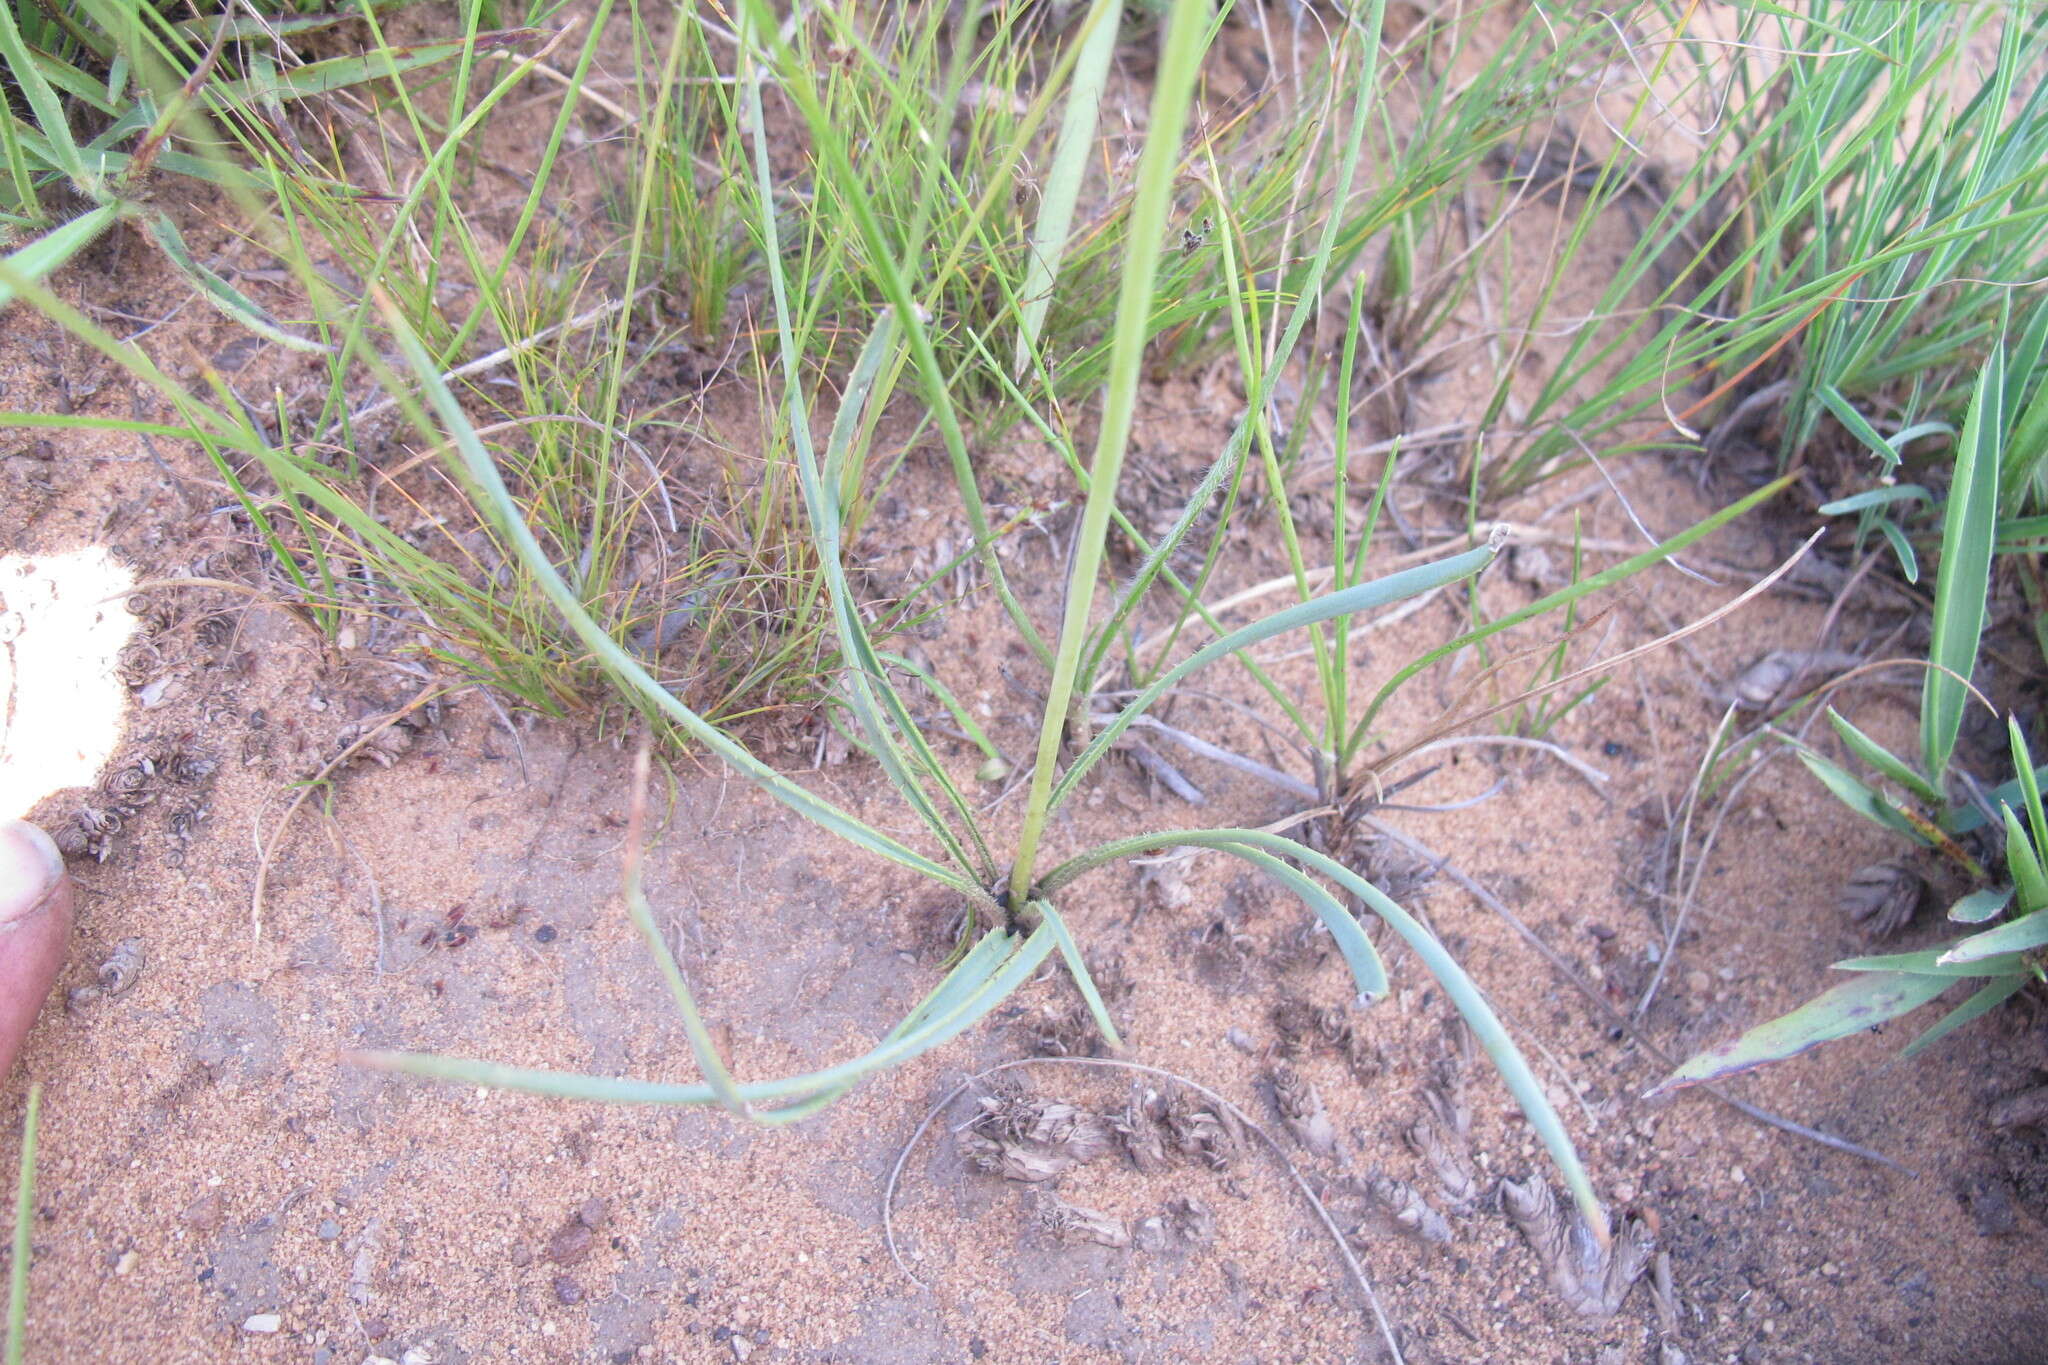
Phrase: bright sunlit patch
pixel 60 700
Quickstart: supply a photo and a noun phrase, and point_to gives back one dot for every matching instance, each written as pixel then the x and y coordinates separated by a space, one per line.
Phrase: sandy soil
pixel 212 1158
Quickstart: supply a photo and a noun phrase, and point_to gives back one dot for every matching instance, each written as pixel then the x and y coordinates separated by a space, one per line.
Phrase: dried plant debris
pixel 1063 1031
pixel 116 976
pixel 1436 1140
pixel 1191 1219
pixel 1883 898
pixel 1201 1130
pixel 1301 1109
pixel 1223 953
pixel 1302 948
pixel 146 771
pixel 1381 1204
pixel 2027 1109
pixel 1587 1276
pixel 1164 885
pixel 1020 1137
pixel 1141 1128
pixel 1302 1028
pixel 1075 1225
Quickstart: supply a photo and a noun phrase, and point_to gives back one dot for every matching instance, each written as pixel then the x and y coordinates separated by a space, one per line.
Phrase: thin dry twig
pixel 1358 1275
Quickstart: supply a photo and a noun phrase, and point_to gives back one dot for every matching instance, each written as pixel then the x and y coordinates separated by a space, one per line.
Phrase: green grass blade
pixel 1987 998
pixel 48 253
pixel 1964 581
pixel 217 291
pixel 24 1222
pixel 1077 967
pixel 1629 567
pixel 2029 784
pixel 2025 865
pixel 1857 796
pixel 1882 759
pixel 1362 597
pixel 42 100
pixel 1980 905
pixel 2021 935
pixel 998 981
pixel 1863 1001
pixel 1368 971
pixel 498 502
pixel 1187 35
pixel 1063 180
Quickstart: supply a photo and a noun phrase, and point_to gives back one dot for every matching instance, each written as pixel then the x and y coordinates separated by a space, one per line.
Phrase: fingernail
pixel 30 867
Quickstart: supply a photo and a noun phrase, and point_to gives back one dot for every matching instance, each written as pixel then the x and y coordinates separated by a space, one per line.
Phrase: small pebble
pixel 264 1322
pixel 570 1244
pixel 568 1293
pixel 741 1347
pixel 328 1230
pixel 204 1213
pixel 126 1263
pixel 1240 1040
pixel 593 1212
pixel 418 1355
pixel 544 934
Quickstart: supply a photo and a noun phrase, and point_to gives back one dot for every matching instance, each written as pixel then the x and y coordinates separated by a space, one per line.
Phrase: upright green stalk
pixel 24 1226
pixel 1180 63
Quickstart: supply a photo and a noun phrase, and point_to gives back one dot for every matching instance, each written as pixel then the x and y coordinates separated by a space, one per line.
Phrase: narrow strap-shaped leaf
pixel 2024 862
pixel 2014 936
pixel 1062 188
pixel 1964 580
pixel 1864 1001
pixel 2029 782
pixel 1987 998
pixel 216 290
pixel 1882 759
pixel 1077 966
pixel 1368 972
pixel 1928 962
pixel 1362 597
pixel 1858 797
pixel 1187 36
pixel 939 1028
pixel 1980 905
pixel 49 252
pixel 42 100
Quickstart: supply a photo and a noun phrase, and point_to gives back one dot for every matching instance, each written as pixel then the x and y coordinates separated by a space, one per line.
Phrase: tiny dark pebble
pixel 568 1293
pixel 593 1212
pixel 376 1329
pixel 328 1230
pixel 1614 748
pixel 206 1275
pixel 976 1347
pixel 721 1334
pixel 622 1357
pixel 544 934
